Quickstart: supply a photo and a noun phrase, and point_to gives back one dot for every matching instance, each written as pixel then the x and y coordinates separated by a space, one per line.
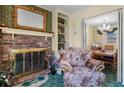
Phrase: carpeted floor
pixel 111 78
pixel 57 80
pixel 110 81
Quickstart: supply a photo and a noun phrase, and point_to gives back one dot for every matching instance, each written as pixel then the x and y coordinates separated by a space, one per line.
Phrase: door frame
pixel 122 47
pixel 120 64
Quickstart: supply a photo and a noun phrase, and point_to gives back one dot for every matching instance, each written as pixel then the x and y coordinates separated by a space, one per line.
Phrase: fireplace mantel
pixel 25 32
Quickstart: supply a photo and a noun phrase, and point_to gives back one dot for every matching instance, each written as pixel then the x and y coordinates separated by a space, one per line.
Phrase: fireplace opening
pixel 28 60
pixel 19 64
pixel 35 60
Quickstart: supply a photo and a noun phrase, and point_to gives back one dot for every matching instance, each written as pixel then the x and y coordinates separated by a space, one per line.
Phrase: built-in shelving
pixel 61 33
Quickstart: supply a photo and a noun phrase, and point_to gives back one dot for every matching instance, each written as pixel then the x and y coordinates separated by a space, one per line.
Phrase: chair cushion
pixel 76 56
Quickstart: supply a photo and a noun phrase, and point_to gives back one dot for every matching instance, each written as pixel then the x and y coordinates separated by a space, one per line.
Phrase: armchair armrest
pixel 95 65
pixel 65 66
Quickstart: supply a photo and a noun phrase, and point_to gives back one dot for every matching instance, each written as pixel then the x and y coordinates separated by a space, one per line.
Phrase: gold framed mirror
pixel 27 18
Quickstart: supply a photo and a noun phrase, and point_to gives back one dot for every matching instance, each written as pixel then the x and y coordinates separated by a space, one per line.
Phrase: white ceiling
pixel 66 8
pixel 110 18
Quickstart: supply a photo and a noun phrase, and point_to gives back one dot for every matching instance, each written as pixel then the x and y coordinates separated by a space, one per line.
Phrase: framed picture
pixel 112 37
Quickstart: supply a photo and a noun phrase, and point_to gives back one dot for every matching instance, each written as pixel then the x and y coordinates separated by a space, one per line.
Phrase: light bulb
pixel 100 28
pixel 108 27
pixel 104 26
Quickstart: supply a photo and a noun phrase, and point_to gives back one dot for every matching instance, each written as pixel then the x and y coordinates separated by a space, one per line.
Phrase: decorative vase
pixel 53 70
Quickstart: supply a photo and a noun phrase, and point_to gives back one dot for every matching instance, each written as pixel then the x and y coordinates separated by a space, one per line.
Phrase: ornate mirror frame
pixel 16 25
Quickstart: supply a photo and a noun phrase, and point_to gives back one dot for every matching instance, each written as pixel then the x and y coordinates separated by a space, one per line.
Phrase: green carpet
pixel 57 80
pixel 111 78
pixel 110 81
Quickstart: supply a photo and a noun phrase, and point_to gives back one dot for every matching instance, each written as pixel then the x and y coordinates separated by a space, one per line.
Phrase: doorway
pixel 102 34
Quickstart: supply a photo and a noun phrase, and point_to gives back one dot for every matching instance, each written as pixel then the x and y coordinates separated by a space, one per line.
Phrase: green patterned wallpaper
pixel 6 16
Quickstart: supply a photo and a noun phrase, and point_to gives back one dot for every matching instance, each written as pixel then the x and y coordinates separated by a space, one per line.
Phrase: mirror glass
pixel 30 19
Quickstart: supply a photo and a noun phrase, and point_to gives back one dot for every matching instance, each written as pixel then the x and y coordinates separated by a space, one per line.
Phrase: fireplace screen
pixel 42 61
pixel 19 63
pixel 35 60
pixel 29 61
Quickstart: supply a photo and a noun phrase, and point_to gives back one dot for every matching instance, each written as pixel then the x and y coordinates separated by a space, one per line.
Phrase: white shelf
pixel 60 24
pixel 61 34
pixel 61 43
pixel 25 32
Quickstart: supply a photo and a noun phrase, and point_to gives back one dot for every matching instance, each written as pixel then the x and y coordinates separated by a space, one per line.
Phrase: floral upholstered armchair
pixel 80 69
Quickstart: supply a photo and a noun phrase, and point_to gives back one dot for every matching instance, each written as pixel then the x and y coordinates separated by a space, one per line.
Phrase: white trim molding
pixel 122 47
pixel 25 32
pixel 120 60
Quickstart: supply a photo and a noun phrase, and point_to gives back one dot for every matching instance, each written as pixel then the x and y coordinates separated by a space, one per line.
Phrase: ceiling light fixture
pixel 104 26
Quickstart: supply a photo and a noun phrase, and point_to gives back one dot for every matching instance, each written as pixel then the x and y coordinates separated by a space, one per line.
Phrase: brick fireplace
pixel 29 50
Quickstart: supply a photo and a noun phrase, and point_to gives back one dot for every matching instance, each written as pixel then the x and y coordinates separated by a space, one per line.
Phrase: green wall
pixel 6 16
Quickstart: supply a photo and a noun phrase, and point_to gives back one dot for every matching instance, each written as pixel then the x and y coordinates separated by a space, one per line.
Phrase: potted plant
pixel 4 82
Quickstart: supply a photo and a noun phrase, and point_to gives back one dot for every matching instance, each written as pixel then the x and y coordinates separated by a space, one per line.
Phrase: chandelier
pixel 104 26
pixel 107 28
